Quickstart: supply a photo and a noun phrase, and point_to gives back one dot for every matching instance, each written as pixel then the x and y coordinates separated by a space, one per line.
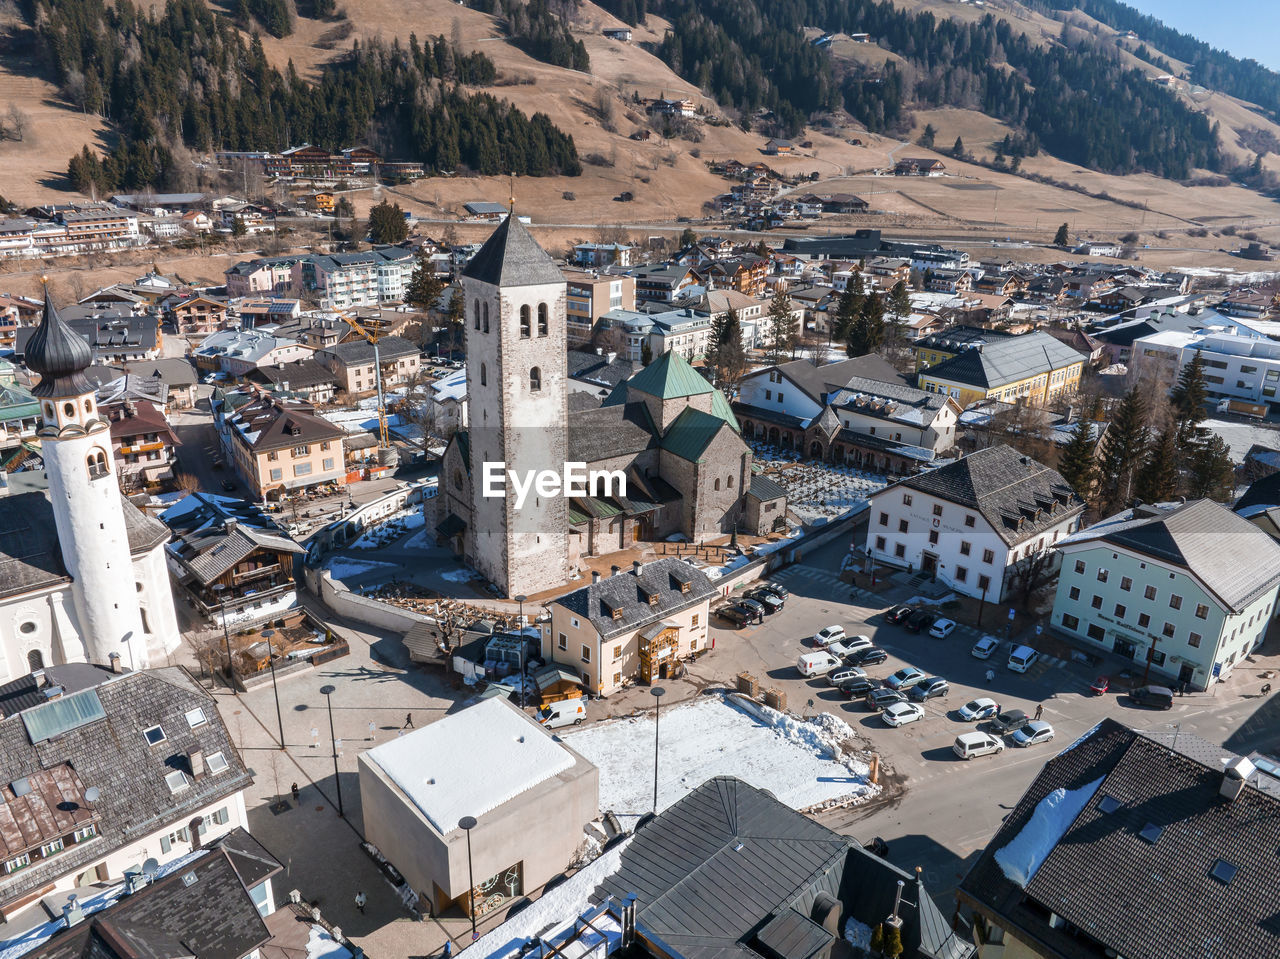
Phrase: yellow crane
pixel 372 331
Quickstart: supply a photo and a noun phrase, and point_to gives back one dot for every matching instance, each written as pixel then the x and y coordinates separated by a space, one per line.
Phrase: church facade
pixel 666 430
pixel 82 571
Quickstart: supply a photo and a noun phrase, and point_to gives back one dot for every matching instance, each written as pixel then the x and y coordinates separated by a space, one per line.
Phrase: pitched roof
pixel 360 350
pixel 691 433
pixel 1006 361
pixel 606 432
pixel 1018 496
pixel 1142 897
pixel 817 381
pixel 624 591
pixel 212 534
pixel 1263 492
pixel 763 488
pixel 668 377
pixel 512 257
pixel 1232 557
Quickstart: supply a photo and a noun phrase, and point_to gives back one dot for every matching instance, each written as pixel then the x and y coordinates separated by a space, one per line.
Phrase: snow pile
pixel 321 945
pixel 798 761
pixel 343 567
pixel 858 934
pixel 459 575
pixel 1053 816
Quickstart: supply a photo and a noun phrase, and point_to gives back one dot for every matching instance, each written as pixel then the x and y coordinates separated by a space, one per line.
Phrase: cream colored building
pixel 275 444
pixel 633 625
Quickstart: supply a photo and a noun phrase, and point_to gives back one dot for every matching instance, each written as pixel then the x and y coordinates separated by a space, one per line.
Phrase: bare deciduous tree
pixel 16 122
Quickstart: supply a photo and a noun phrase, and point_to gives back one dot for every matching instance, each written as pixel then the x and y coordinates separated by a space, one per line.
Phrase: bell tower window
pixel 69 410
pixel 476 312
pixel 525 316
pixel 97 463
pixel 486 317
pixel 542 319
pixel 535 380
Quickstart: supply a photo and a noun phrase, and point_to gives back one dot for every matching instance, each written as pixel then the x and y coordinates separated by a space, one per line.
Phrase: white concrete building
pixel 1237 365
pixel 974 523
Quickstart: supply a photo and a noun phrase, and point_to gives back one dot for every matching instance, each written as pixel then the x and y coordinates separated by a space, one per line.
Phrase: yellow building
pixel 633 625
pixel 1032 368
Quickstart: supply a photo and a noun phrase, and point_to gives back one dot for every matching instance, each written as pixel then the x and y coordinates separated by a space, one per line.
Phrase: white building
pixel 974 523
pixel 1237 365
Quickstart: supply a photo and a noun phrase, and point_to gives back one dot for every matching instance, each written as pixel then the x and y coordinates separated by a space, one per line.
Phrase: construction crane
pixel 372 331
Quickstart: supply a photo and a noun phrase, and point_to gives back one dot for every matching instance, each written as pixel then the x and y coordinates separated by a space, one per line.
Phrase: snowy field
pixel 798 761
pixel 818 490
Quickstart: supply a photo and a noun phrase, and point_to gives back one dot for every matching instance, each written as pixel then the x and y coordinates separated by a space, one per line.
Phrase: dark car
pixel 858 688
pixel 930 688
pixel 882 698
pixel 899 614
pixel 869 656
pixel 1155 697
pixel 739 614
pixel 920 620
pixel 767 598
pixel 1010 720
pixel 754 605
pixel 777 589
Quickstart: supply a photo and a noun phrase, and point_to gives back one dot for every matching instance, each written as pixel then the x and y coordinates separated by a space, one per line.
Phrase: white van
pixel 816 664
pixel 1022 659
pixel 968 745
pixel 567 712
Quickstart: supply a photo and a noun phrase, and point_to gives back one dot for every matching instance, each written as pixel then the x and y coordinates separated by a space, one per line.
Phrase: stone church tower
pixel 84 491
pixel 517 396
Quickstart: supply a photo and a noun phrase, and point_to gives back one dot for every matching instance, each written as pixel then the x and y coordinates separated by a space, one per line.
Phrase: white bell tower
pixel 76 447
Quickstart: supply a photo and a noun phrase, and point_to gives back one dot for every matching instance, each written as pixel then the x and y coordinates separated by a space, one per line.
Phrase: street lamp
pixel 327 692
pixel 468 823
pixel 520 629
pixel 271 661
pixel 982 602
pixel 657 693
pixel 219 590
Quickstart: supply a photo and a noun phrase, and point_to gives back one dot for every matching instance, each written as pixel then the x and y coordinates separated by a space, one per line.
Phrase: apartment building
pixel 1237 365
pixel 276 444
pixel 353 364
pixel 237 352
pixel 589 296
pixel 1032 368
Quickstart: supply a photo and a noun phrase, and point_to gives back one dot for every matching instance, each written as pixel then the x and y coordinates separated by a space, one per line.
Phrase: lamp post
pixel 271 661
pixel 520 629
pixel 327 692
pixel 982 602
pixel 219 590
pixel 657 693
pixel 468 823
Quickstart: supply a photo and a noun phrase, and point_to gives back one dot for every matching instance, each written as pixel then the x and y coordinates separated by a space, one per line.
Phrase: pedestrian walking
pixel 408 721
pixel 294 791
pixel 1039 711
pixel 360 901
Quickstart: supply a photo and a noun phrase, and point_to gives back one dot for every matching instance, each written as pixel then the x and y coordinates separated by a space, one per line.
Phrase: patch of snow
pixel 857 934
pixel 321 945
pixel 344 567
pixel 1053 816
pixel 458 575
pixel 799 761
pixel 284 601
pixel 423 539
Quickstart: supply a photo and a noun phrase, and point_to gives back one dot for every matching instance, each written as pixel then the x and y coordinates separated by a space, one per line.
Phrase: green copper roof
pixel 720 407
pixel 691 433
pixel 668 377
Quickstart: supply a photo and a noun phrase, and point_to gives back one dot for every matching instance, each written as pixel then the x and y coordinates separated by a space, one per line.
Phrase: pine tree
pixel 1123 450
pixel 1188 397
pixel 893 947
pixel 926 138
pixel 727 356
pixel 1157 480
pixel 1062 237
pixel 782 325
pixel 425 285
pixel 687 238
pixel 867 333
pixel 1077 463
pixel 238 228
pixel 958 150
pixel 877 940
pixel 387 224
pixel 848 307
pixel 1211 473
pixel 646 354
pixel 899 306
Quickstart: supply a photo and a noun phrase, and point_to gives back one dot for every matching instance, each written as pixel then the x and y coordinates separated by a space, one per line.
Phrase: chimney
pixel 1234 776
pixel 614 570
pixel 595 576
pixel 114 661
pixel 39 677
pixel 71 911
pixel 599 351
pixel 636 566
pixel 610 357
pixel 196 760
pixel 229 525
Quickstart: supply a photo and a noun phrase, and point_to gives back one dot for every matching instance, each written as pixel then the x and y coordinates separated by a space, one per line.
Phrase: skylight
pixel 1109 804
pixel 1151 832
pixel 216 762
pixel 176 781
pixel 195 717
pixel 1223 871
pixel 155 735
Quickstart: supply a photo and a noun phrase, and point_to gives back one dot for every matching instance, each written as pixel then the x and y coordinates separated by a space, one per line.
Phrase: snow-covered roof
pixel 471 762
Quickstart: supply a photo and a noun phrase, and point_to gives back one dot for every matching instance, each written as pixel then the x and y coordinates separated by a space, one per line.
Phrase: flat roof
pixel 471 762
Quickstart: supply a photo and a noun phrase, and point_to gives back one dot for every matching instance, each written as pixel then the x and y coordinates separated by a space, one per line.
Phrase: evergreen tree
pixel 782 325
pixel 1061 238
pixel 727 356
pixel 867 333
pixel 687 238
pixel 848 308
pixel 1211 472
pixel 958 149
pixel 387 224
pixel 1157 480
pixel 238 228
pixel 1188 397
pixel 926 138
pixel 646 354
pixel 1077 463
pixel 425 285
pixel 893 946
pixel 455 316
pixel 899 307
pixel 1123 449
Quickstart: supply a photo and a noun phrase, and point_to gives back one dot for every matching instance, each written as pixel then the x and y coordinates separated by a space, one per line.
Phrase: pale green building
pixel 1192 586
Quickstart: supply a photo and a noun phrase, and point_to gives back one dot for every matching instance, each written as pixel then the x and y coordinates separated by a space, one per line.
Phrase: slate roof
pixel 299 374
pixel 599 370
pixel 817 381
pixel 763 488
pixel 1263 492
pixel 30 555
pixel 206 548
pixel 691 433
pixel 1006 361
pixel 58 354
pixel 512 257
pixel 26 691
pixel 112 754
pixel 1233 558
pixel 269 423
pixel 624 591
pixel 1017 495
pixel 608 431
pixel 957 338
pixel 360 350
pixel 1141 899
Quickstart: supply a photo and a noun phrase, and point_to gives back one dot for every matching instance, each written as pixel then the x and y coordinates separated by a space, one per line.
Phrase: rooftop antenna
pixel 512 196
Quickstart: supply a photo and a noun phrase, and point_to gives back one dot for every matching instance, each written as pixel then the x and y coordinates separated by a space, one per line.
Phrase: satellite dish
pixel 92 793
pixel 150 868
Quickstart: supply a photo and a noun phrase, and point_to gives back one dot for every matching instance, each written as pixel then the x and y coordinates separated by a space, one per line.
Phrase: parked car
pixel 828 635
pixel 976 710
pixel 767 599
pixel 880 698
pixel 899 614
pixel 842 673
pixel 968 745
pixel 858 688
pixel 1022 658
pixel 905 678
pixel 899 714
pixel 1100 685
pixel 1008 721
pixel 942 628
pixel 919 620
pixel 816 664
pixel 755 606
pixel 984 647
pixel 737 613
pixel 847 647
pixel 777 589
pixel 1036 731
pixel 1156 697
pixel 930 688
pixel 867 656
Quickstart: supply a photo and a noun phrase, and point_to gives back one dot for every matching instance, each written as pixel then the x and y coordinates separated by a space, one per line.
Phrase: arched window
pixel 717 485
pixel 535 380
pixel 484 376
pixel 88 406
pixel 69 409
pixel 525 318
pixel 476 311
pixel 730 482
pixel 457 479
pixel 542 319
pixel 35 660
pixel 486 317
pixel 97 464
